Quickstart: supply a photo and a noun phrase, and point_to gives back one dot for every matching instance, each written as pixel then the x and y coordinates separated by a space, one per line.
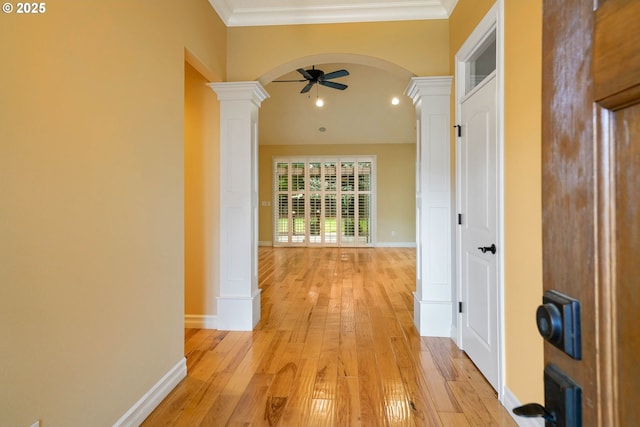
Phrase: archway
pixel 433 301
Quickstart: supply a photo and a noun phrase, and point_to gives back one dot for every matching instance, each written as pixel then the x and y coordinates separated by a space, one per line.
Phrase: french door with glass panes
pixel 324 202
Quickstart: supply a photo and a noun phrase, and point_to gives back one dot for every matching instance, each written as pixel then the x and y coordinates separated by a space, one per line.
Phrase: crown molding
pixel 332 13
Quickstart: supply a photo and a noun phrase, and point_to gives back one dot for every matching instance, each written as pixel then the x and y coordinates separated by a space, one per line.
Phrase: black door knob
pixel 558 321
pixel 486 249
pixel 534 410
pixel 549 321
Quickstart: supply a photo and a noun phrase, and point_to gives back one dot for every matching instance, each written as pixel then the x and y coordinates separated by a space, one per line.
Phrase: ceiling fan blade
pixel 335 74
pixel 307 88
pixel 333 85
pixel 305 74
pixel 288 81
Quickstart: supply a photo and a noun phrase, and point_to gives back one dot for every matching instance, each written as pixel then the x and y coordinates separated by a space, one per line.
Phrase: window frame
pixel 303 235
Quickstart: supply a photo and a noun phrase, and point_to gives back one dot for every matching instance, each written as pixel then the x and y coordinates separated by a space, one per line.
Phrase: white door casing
pixel 479 199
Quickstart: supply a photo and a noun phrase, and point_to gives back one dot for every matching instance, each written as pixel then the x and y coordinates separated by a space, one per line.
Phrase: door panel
pixel 591 195
pixel 478 317
pixel 479 207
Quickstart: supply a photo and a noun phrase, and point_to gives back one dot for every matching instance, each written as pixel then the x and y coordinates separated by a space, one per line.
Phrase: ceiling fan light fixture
pixel 312 77
pixel 319 102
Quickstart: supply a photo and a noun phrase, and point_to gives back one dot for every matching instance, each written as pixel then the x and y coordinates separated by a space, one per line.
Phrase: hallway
pixel 336 346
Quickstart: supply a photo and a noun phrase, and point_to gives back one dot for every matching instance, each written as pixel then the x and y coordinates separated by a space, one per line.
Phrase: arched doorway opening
pixel 433 307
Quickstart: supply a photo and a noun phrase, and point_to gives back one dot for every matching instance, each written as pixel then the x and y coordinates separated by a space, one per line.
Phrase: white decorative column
pixel 433 298
pixel 238 301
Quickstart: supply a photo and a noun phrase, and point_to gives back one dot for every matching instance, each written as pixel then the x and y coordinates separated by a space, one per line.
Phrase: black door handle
pixel 562 401
pixel 535 410
pixel 486 249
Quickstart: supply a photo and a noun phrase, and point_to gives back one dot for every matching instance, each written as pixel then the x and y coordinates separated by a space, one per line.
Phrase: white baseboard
pixel 200 321
pixel 152 398
pixel 510 401
pixel 395 244
pixel 454 334
pixel 377 245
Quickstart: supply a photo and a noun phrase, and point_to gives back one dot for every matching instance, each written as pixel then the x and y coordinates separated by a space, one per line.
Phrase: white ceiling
pixel 281 12
pixel 361 114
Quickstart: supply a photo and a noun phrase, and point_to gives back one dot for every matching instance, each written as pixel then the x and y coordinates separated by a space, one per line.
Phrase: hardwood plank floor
pixel 335 346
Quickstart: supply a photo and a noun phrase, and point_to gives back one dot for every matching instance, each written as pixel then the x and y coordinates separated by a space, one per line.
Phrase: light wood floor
pixel 335 346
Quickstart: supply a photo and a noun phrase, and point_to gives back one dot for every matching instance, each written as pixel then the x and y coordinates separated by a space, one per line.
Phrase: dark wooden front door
pixel 591 195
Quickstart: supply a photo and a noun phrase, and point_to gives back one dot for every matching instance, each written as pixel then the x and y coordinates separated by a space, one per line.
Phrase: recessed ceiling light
pixel 395 100
pixel 322 128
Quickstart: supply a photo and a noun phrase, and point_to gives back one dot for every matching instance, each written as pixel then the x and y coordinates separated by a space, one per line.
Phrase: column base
pixel 432 318
pixel 238 313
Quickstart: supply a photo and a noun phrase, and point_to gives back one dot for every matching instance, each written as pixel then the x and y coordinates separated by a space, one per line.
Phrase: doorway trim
pixel 492 21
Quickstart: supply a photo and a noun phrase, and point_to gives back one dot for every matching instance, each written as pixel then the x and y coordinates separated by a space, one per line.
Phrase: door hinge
pixel 459 219
pixel 459 306
pixel 459 130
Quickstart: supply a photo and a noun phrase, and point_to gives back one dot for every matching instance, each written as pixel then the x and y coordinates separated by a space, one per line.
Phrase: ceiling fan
pixel 314 76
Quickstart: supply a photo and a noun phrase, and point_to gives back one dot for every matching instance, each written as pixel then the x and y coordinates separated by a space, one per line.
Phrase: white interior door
pixel 479 228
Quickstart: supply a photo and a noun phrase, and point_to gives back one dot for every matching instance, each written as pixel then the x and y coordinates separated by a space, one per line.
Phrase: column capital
pixel 429 86
pixel 240 91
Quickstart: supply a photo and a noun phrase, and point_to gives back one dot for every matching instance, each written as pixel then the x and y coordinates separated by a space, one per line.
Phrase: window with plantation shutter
pixel 324 201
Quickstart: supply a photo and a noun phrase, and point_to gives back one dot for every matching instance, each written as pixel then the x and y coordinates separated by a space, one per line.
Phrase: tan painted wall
pixel 92 217
pixel 395 185
pixel 420 47
pixel 523 221
pixel 201 186
pixel 465 17
pixel 523 205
